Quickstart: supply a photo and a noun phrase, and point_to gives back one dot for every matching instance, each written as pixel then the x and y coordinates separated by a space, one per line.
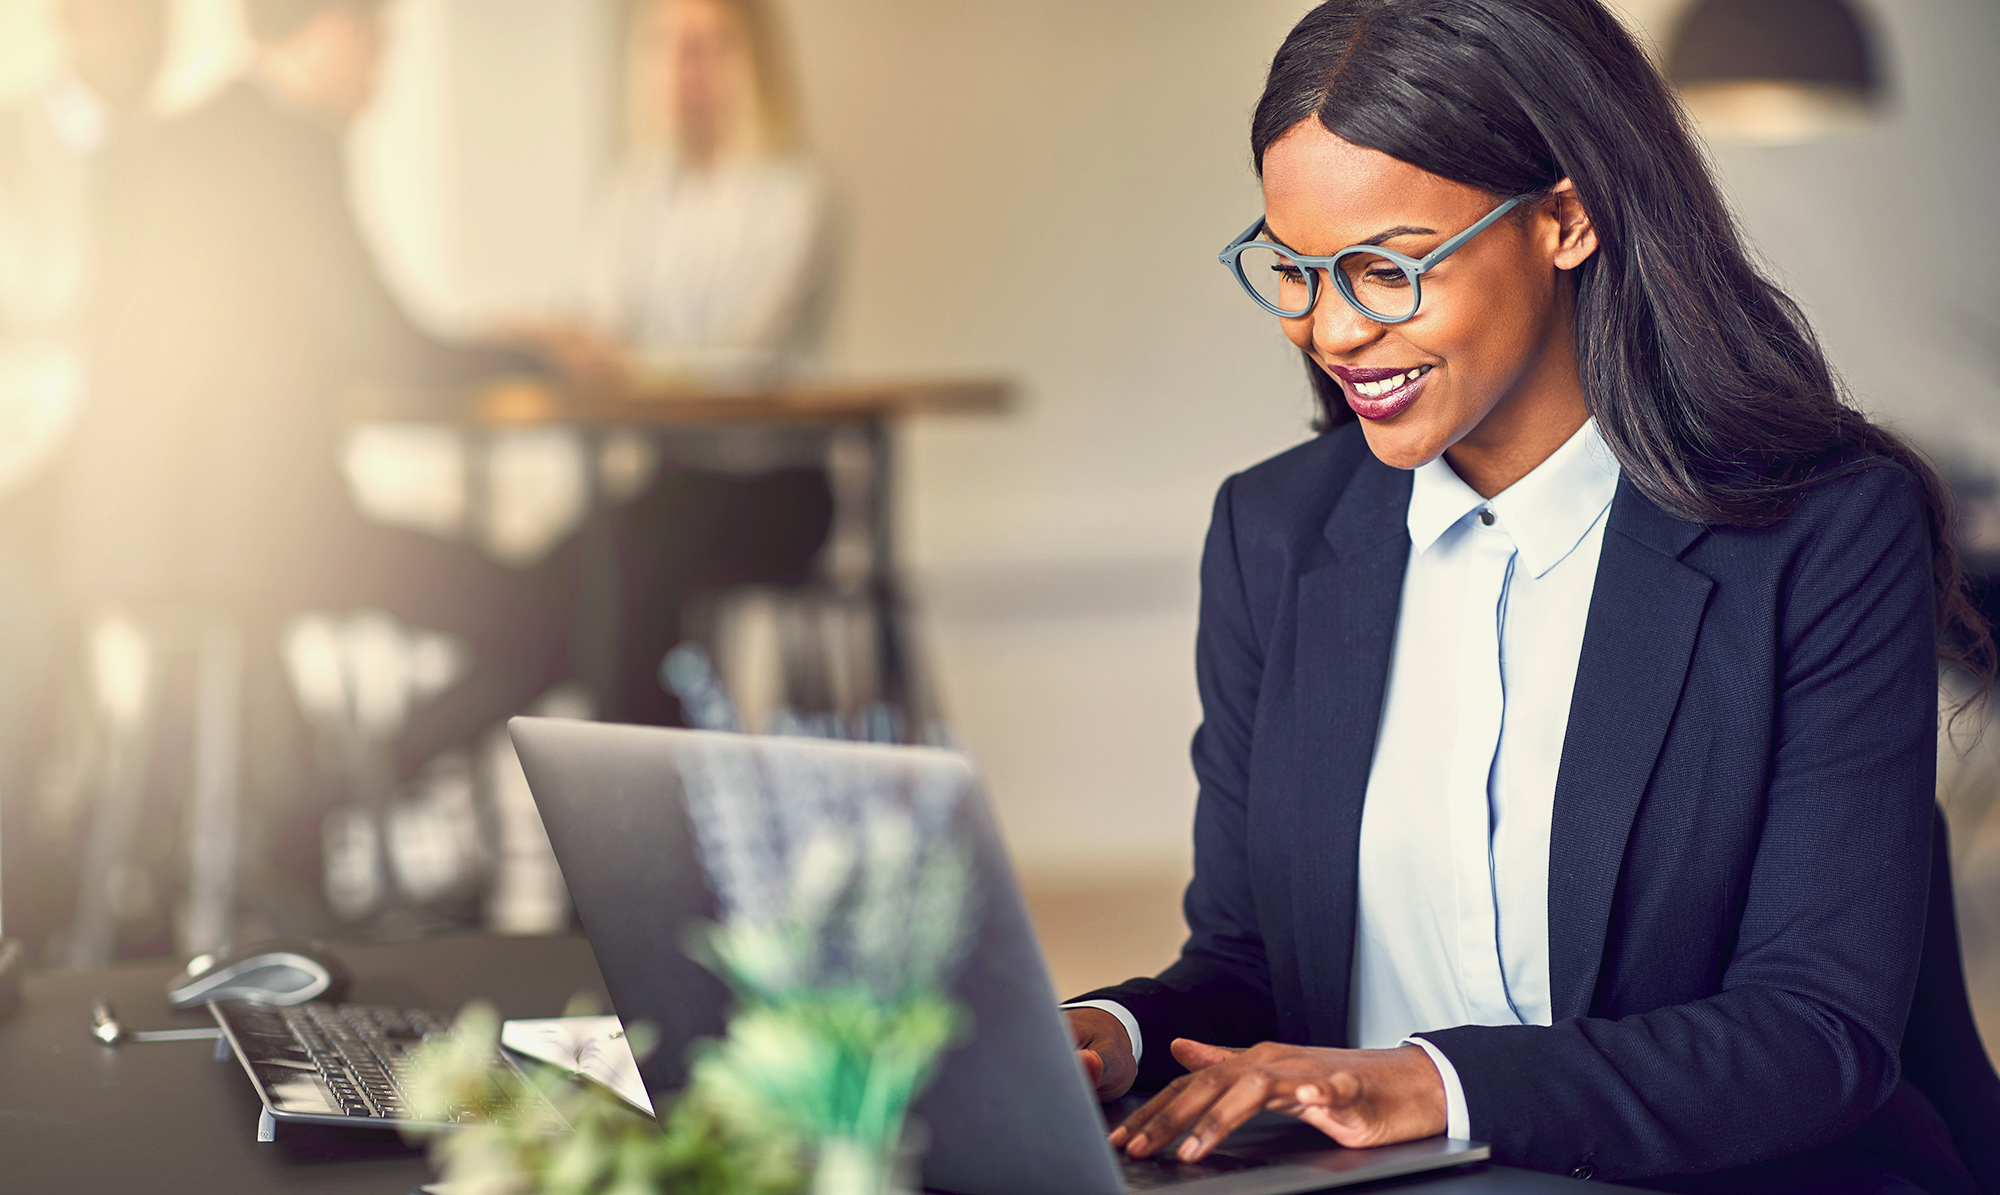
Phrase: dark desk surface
pixel 165 1118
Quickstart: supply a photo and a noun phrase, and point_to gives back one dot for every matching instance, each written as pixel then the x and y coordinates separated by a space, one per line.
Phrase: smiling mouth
pixel 1394 382
pixel 1380 394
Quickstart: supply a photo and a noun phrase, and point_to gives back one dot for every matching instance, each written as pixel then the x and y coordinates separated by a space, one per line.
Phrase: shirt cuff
pixel 1131 1024
pixel 1457 1121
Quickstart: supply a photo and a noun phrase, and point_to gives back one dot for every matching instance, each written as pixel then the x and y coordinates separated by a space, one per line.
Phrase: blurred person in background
pixel 238 310
pixel 709 264
pixel 709 259
pixel 58 149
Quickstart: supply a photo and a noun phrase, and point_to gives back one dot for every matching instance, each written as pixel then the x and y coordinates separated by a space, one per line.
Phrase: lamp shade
pixel 1775 71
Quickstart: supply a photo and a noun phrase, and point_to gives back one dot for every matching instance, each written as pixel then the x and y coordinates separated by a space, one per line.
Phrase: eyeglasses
pixel 1381 284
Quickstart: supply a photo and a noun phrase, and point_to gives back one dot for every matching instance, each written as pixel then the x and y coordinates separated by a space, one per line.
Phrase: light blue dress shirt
pixel 1451 924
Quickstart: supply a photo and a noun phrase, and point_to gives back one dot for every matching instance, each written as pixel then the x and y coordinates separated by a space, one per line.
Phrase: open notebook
pixel 593 1048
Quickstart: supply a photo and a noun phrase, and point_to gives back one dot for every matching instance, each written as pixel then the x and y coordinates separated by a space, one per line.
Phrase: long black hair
pixel 1705 378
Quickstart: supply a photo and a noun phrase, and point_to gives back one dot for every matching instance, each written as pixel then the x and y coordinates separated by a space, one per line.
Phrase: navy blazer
pixel 1741 844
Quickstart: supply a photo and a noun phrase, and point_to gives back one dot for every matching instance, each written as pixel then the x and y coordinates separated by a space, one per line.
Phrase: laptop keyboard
pixel 360 1054
pixel 1164 1170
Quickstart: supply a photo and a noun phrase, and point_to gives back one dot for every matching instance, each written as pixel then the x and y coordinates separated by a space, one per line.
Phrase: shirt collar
pixel 1546 514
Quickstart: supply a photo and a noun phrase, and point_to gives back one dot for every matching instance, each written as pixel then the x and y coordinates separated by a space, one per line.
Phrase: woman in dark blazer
pixel 1592 552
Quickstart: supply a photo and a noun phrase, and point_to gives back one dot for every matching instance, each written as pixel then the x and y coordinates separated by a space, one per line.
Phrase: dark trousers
pixel 694 532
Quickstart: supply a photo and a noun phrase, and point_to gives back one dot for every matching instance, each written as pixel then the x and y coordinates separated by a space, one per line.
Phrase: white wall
pixel 474 171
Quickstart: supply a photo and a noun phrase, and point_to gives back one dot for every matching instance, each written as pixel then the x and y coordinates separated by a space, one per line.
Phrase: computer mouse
pixel 279 971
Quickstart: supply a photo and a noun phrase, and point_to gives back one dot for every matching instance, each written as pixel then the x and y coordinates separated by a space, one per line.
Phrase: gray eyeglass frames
pixel 1382 284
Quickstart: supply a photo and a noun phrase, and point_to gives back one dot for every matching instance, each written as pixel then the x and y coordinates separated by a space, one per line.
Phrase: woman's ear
pixel 1575 235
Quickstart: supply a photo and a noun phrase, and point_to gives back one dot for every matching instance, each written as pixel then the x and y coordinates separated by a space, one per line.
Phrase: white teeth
pixel 1378 389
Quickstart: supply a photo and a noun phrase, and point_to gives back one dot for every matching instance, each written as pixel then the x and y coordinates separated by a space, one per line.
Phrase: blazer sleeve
pixel 1219 991
pixel 1799 1044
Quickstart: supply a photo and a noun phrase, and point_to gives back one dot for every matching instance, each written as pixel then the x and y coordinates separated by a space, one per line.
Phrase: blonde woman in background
pixel 709 259
pixel 709 264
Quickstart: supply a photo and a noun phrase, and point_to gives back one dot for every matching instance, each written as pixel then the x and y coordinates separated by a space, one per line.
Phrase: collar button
pixel 1486 516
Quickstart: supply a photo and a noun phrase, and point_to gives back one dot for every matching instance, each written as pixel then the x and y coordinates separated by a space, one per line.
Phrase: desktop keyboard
pixel 340 1063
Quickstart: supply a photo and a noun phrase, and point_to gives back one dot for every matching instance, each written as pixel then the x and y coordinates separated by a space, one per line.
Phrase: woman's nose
pixel 1337 328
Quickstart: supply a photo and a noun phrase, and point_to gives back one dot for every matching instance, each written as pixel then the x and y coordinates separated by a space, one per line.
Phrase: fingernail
pixel 1190 1149
pixel 1136 1144
pixel 1118 1135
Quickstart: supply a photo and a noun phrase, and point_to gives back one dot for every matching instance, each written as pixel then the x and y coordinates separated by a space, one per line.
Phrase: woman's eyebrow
pixel 1401 230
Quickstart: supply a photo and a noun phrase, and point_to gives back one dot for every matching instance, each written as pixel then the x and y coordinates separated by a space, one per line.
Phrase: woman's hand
pixel 1105 1049
pixel 1357 1097
pixel 579 353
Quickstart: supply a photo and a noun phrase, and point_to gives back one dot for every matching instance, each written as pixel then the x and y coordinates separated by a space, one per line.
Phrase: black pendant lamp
pixel 1776 71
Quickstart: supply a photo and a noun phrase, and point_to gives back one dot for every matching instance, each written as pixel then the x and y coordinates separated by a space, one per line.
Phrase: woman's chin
pixel 1403 447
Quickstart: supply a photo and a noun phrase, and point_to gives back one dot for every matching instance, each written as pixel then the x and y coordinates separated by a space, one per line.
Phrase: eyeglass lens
pixel 1379 286
pixel 1277 279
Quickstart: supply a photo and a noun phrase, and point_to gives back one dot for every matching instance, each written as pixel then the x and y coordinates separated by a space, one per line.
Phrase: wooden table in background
pixel 871 408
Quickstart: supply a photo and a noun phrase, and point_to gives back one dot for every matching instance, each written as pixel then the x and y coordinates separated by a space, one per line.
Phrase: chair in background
pixel 803 661
pixel 158 742
pixel 388 854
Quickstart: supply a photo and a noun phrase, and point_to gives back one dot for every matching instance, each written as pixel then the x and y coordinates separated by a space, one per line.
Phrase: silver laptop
pixel 1010 1111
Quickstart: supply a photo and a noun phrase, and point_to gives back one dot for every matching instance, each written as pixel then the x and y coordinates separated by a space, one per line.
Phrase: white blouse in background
pixel 718 274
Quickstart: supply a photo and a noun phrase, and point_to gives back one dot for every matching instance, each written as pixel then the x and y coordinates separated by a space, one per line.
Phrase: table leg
pixel 123 657
pixel 892 657
pixel 213 820
pixel 596 635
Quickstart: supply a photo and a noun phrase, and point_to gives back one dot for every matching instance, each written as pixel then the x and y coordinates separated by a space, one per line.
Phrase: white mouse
pixel 279 971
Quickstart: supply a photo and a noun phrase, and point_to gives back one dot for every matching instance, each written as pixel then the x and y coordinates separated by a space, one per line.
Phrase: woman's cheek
pixel 1299 332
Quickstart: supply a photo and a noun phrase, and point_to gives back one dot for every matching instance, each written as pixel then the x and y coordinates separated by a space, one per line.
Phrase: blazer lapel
pixel 1346 631
pixel 1645 611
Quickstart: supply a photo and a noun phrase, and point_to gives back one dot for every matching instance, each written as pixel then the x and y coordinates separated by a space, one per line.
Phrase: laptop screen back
pixel 1010 1109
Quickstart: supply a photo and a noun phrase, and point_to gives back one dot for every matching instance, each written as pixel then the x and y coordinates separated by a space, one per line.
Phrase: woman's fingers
pixel 1336 1092
pixel 1237 1103
pixel 1135 1124
pixel 1357 1097
pixel 1214 1071
pixel 1093 1065
pixel 1195 1055
pixel 1105 1051
pixel 1154 1124
pixel 1175 1109
pixel 1327 1105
